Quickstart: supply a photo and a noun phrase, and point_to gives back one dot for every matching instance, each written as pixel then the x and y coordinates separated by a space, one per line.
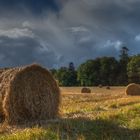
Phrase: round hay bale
pixel 29 94
pixel 3 69
pixel 1 109
pixel 108 87
pixel 85 90
pixel 133 89
pixel 100 86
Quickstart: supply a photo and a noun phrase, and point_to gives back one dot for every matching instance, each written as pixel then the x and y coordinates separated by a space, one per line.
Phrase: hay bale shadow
pixel 76 128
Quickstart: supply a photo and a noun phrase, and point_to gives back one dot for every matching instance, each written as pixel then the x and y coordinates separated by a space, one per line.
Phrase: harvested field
pixel 101 115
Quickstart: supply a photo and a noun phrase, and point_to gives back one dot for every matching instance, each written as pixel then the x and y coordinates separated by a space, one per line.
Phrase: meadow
pixel 102 115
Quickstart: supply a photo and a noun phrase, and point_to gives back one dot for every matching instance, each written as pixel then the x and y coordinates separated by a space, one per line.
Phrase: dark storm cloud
pixel 55 32
pixel 118 15
pixel 23 51
pixel 35 6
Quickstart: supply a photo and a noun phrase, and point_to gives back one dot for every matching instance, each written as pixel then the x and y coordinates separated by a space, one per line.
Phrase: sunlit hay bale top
pixel 85 90
pixel 29 94
pixel 3 69
pixel 108 87
pixel 133 89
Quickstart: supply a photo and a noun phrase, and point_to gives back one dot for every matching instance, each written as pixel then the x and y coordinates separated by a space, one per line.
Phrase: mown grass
pixel 98 116
pixel 31 134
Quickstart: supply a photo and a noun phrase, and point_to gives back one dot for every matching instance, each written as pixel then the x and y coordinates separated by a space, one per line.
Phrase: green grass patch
pixel 31 134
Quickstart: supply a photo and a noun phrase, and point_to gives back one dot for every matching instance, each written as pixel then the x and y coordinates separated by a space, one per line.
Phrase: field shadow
pixel 85 129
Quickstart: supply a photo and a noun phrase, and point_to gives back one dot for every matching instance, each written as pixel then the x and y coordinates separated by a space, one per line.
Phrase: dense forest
pixel 101 71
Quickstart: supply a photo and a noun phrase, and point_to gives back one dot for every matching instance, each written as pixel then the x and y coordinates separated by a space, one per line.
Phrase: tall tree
pixel 124 53
pixel 108 70
pixel 71 66
pixel 124 59
pixel 67 77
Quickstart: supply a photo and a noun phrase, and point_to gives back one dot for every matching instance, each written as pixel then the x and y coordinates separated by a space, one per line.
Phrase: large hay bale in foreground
pixel 133 89
pixel 85 90
pixel 29 94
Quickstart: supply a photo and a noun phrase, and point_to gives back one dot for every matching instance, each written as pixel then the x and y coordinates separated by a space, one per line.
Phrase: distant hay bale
pixel 28 94
pixel 133 89
pixel 108 87
pixel 100 86
pixel 85 90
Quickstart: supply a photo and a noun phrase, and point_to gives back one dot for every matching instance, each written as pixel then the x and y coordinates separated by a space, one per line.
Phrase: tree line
pixel 101 71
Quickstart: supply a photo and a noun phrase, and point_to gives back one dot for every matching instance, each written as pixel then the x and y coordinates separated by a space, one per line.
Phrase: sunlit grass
pixel 103 116
pixel 31 134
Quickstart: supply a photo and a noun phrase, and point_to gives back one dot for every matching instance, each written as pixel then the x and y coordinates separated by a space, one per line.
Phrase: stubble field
pixel 102 115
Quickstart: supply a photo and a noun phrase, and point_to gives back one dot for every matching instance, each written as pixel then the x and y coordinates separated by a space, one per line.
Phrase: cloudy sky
pixel 56 32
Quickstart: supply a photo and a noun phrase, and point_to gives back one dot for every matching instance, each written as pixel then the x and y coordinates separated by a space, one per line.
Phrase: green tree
pixel 133 69
pixel 108 71
pixel 62 76
pixel 67 77
pixel 88 73
pixel 99 71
